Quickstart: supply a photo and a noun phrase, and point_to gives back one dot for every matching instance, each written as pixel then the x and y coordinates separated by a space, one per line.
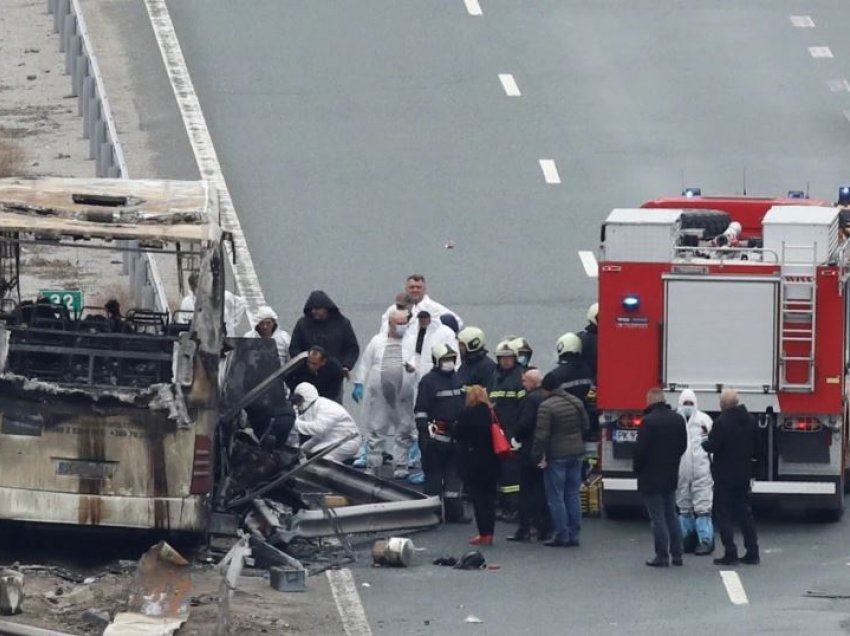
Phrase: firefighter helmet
pixel 472 560
pixel 505 349
pixel 441 352
pixel 472 338
pixel 593 314
pixel 568 343
pixel 523 350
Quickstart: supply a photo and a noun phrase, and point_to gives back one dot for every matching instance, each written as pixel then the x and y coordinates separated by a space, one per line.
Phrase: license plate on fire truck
pixel 625 436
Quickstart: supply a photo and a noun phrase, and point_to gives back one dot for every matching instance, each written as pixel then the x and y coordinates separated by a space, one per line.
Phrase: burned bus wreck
pixel 108 398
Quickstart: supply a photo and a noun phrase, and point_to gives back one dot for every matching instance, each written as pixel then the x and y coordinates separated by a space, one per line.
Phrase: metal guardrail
pixel 99 128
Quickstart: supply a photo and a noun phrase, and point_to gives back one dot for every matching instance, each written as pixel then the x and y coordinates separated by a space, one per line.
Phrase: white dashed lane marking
pixel 802 21
pixel 473 7
pixel 734 587
pixel 838 86
pixel 509 84
pixel 588 261
pixel 820 52
pixel 550 171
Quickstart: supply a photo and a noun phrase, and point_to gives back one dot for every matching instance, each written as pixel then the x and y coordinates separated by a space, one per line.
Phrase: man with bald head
pixel 732 444
pixel 533 509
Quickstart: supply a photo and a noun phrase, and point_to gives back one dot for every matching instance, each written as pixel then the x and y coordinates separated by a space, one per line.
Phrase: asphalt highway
pixel 361 138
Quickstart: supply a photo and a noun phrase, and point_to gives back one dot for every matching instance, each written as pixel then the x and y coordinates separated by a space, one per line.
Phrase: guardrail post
pixel 51 6
pixel 104 159
pixel 81 70
pixel 139 278
pixel 98 136
pixel 87 103
pixel 69 28
pixel 92 111
pixel 62 9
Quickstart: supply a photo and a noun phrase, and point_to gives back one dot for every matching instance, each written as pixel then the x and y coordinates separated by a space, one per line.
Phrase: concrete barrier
pixel 99 128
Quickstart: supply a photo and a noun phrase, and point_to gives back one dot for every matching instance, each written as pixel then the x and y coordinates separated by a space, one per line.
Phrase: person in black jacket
pixel 478 367
pixel 506 396
pixel 573 373
pixel 661 440
pixel 323 325
pixel 439 401
pixel 732 443
pixel 533 509
pixel 320 370
pixel 479 465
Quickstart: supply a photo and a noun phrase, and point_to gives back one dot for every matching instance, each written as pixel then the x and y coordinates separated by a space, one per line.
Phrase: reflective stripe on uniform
pixel 420 414
pixel 448 393
pixel 569 385
pixel 517 395
pixel 451 494
pixel 507 490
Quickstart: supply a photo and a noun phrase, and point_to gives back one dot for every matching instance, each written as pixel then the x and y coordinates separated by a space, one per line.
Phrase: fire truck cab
pixel 747 293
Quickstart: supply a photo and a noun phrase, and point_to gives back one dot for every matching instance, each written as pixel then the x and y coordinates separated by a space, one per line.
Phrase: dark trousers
pixel 732 507
pixel 482 494
pixel 509 486
pixel 666 531
pixel 440 465
pixel 533 509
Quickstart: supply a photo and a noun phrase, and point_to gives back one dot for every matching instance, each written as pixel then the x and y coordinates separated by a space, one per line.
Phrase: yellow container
pixel 591 496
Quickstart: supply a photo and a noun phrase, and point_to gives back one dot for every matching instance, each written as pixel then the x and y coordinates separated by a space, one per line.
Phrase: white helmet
pixel 593 314
pixel 441 351
pixel 568 343
pixel 505 348
pixel 472 338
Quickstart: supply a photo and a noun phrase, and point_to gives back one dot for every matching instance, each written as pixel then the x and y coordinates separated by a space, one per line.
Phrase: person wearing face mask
pixel 694 492
pixel 325 423
pixel 439 402
pixel 387 394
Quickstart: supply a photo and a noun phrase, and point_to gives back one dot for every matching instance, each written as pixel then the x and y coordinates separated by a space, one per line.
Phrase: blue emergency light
pixel 691 192
pixel 796 194
pixel 844 195
pixel 631 303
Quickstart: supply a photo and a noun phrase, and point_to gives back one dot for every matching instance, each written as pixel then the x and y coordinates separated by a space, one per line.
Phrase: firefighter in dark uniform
pixel 439 402
pixel 572 373
pixel 506 396
pixel 523 351
pixel 477 367
pixel 589 338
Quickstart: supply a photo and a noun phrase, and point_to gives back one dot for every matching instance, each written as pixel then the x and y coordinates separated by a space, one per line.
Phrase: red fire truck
pixel 740 292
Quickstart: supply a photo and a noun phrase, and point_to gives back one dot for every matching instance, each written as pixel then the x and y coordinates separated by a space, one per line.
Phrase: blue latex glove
pixel 357 393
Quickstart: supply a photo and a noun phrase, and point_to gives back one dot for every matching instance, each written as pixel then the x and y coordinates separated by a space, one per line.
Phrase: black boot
pixel 689 543
pixel 729 558
pixel 521 535
pixel 751 558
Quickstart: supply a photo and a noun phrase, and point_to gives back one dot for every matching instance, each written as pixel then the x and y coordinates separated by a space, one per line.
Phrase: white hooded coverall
pixel 281 337
pixel 436 333
pixel 694 493
pixel 389 393
pixel 326 422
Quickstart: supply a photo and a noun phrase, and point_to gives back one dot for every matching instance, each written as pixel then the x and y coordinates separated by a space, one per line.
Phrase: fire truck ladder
pixel 797 298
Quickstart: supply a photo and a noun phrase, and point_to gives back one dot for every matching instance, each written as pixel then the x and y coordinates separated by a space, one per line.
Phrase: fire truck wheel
pixel 711 222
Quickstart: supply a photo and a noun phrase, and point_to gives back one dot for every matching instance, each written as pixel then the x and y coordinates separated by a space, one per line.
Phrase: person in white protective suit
pixel 267 327
pixel 234 307
pixel 325 422
pixel 695 489
pixel 419 339
pixel 387 391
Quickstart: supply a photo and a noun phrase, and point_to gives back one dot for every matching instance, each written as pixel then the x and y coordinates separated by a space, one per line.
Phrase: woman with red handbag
pixel 479 463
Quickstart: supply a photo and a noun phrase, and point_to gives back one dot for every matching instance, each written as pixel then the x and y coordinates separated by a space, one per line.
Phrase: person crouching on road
pixel 325 422
pixel 661 441
pixel 558 449
pixel 479 465
pixel 694 494
pixel 439 402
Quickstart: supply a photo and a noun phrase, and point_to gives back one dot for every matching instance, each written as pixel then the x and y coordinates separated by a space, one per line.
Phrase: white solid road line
pixel 823 52
pixel 838 86
pixel 588 261
pixel 348 603
pixel 247 283
pixel 473 7
pixel 550 171
pixel 734 587
pixel 509 84
pixel 802 21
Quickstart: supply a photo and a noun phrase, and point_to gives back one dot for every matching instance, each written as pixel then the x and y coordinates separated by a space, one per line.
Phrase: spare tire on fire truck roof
pixel 711 222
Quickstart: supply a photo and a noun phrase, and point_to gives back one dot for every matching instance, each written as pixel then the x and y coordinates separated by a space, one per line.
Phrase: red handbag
pixel 501 445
